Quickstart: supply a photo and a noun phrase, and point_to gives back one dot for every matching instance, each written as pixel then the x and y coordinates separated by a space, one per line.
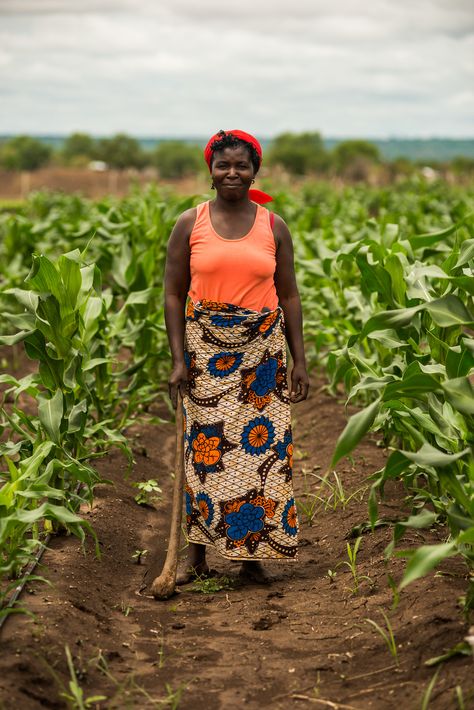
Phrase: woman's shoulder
pixel 279 228
pixel 186 221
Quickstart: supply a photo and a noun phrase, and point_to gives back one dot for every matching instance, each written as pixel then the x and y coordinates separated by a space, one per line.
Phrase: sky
pixel 176 68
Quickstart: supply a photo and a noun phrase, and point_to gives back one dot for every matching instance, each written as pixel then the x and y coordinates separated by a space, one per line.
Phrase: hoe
pixel 164 585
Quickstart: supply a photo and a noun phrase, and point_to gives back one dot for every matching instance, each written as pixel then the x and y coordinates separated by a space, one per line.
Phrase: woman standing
pixel 229 361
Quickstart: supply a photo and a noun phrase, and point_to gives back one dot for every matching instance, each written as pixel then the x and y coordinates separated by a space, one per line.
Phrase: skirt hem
pixel 242 558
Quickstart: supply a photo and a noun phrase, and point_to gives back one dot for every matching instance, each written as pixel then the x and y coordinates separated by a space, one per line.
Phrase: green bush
pixel 24 153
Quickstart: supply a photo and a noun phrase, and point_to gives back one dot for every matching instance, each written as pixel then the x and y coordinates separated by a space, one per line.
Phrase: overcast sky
pixel 190 67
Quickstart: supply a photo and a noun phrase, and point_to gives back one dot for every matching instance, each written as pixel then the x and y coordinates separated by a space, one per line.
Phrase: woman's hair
pixel 227 140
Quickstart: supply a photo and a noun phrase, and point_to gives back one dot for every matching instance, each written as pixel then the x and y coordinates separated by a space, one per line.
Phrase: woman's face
pixel 232 172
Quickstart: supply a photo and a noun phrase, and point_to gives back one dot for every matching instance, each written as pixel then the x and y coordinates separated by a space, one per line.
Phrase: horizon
pixel 202 138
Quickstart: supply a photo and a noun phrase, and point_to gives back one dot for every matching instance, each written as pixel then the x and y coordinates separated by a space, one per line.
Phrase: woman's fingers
pixel 173 394
pixel 173 391
pixel 178 380
pixel 299 389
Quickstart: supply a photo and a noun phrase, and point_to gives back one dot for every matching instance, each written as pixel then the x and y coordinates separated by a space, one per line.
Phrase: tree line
pixel 297 153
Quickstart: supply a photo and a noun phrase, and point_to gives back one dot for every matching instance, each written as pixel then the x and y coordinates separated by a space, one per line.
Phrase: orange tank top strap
pixel 201 218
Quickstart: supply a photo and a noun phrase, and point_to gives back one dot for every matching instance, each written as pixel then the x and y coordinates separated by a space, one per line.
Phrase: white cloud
pixel 181 68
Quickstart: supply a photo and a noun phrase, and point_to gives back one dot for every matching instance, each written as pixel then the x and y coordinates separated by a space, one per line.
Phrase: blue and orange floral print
pixel 227 320
pixel 265 377
pixel 262 383
pixel 281 447
pixel 263 325
pixel 206 508
pixel 224 363
pixel 207 446
pixel 238 443
pixel 247 519
pixel 189 503
pixel 258 435
pixel 289 518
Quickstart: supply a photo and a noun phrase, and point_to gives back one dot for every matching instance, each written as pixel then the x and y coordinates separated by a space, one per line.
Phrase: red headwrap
pixel 255 195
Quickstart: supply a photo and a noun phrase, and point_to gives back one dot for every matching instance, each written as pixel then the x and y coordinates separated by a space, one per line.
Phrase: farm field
pixel 301 639
pixel 386 284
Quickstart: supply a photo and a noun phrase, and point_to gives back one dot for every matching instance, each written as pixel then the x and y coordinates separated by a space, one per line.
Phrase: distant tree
pixel 299 153
pixel 78 147
pixel 353 158
pixel 461 165
pixel 400 168
pixel 24 153
pixel 121 151
pixel 176 159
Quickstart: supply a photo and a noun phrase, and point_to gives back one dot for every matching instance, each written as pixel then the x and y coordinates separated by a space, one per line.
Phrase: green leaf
pixel 413 382
pixel 388 338
pixel 421 241
pixel 460 393
pixel 448 311
pixel 375 278
pixel 394 267
pixel 44 278
pixel 141 297
pixel 466 253
pixel 459 362
pixel 396 465
pixel 357 426
pixel 27 299
pixel 91 315
pixel 467 536
pixel 71 278
pixel 460 649
pixel 398 318
pixel 50 412
pixel 424 559
pixel 465 283
pixel 77 416
pixel 14 339
pixel 373 507
pixel 430 456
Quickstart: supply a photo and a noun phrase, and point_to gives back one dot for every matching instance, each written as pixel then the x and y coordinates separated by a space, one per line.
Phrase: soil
pixel 302 640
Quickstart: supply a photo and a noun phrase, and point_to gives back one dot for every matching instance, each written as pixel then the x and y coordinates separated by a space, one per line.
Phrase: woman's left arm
pixel 289 299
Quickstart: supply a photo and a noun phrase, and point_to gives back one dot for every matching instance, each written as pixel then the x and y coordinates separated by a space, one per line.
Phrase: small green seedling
pixel 425 701
pixel 387 635
pixel 331 575
pixel 75 698
pixel 352 564
pixel 125 608
pixel 149 492
pixel 138 555
pixel 210 585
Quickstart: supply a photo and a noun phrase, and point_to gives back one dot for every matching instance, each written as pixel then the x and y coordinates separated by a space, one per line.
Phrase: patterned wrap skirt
pixel 237 439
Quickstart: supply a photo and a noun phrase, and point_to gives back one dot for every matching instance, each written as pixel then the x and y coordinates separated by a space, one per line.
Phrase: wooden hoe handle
pixel 164 585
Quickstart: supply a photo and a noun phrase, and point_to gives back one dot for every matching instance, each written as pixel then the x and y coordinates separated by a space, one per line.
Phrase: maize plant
pixel 403 310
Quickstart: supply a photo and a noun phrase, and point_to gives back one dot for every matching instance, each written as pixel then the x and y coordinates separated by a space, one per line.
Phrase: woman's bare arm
pixel 177 280
pixel 288 296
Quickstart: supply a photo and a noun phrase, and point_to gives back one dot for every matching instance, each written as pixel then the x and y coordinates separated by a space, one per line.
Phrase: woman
pixel 235 262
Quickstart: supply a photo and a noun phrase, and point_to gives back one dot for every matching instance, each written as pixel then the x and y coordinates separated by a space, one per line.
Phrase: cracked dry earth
pixel 301 641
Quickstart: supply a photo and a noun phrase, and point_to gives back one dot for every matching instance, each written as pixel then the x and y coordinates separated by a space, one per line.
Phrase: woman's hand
pixel 177 380
pixel 299 384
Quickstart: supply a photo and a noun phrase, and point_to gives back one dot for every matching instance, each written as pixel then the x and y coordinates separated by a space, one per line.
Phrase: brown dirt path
pixel 301 641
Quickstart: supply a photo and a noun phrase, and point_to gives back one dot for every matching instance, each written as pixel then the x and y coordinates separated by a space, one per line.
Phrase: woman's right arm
pixel 177 280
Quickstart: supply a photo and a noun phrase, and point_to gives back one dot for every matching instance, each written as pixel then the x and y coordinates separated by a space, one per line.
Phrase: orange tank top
pixel 239 271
